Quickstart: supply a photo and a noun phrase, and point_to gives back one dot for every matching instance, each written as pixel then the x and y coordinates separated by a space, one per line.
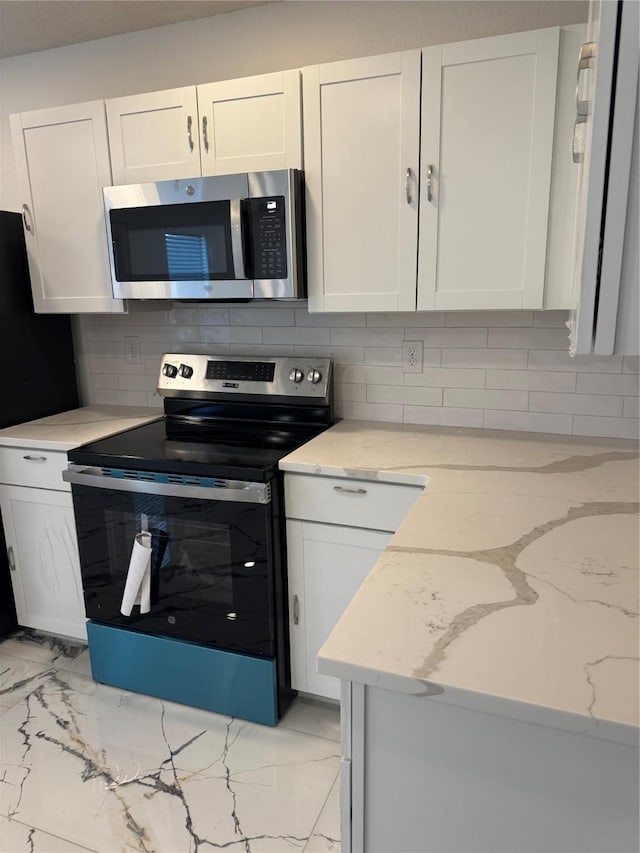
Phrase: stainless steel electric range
pixel 181 533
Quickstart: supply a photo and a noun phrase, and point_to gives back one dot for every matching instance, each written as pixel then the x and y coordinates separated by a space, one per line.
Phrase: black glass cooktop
pixel 230 450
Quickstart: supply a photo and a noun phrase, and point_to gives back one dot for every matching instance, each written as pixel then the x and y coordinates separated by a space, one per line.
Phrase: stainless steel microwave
pixel 224 237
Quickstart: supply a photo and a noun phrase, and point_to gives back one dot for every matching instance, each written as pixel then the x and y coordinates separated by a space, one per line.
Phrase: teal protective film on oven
pixel 221 681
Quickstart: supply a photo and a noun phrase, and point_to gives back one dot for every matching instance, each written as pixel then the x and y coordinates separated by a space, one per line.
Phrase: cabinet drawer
pixel 352 503
pixel 26 466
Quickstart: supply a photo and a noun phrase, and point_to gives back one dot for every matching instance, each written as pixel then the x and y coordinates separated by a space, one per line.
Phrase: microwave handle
pixel 235 220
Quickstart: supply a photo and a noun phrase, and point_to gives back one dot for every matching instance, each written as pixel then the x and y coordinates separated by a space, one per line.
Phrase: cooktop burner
pixel 224 417
pixel 228 450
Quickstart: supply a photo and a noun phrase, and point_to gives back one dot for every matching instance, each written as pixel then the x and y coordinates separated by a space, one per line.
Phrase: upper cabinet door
pixel 154 137
pixel 361 148
pixel 251 125
pixel 488 109
pixel 62 161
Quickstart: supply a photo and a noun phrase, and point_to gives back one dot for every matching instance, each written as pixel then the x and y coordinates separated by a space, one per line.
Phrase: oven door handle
pixel 238 491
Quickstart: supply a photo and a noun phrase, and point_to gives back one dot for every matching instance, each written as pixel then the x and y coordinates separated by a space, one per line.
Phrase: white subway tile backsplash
pixel 613 427
pixel 261 317
pixel 554 339
pixel 631 364
pixel 105 380
pixel 351 393
pixel 415 396
pixel 549 360
pixel 370 374
pixel 448 377
pixel 231 334
pixel 296 335
pixel 576 404
pixel 367 337
pixel 107 397
pixel 550 319
pixel 443 416
pixel 531 380
pixel 330 321
pixel 475 398
pixel 506 358
pixel 199 316
pixel 422 319
pixel 593 383
pixel 450 337
pixel 528 421
pixel 384 355
pixel 105 364
pixel 497 369
pixel 489 318
pixel 369 411
pixel 631 407
pixel 340 355
pixel 138 382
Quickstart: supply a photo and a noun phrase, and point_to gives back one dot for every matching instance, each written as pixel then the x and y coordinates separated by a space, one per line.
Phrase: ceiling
pixel 30 25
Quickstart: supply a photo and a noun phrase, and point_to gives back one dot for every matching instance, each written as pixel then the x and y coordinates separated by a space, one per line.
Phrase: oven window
pixel 211 565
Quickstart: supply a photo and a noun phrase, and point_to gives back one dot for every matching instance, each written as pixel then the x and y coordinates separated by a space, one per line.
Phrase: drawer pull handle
pixel 12 559
pixel 347 491
pixel 35 458
pixel 296 610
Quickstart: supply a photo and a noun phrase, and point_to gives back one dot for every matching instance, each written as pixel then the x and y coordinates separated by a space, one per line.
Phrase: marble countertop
pixel 512 584
pixel 75 427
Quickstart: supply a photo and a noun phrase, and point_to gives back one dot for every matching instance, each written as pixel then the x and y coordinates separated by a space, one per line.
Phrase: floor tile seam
pixel 48 832
pixel 310 734
pixel 322 808
pixel 23 659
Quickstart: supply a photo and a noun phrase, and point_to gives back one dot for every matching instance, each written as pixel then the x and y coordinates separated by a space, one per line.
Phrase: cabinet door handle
pixel 407 186
pixel 576 156
pixel 12 560
pixel 35 458
pixel 344 490
pixel 586 59
pixel 190 132
pixel 205 135
pixel 429 183
pixel 296 610
pixel 27 225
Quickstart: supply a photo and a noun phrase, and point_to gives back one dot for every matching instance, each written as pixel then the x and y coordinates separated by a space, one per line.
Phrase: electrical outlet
pixel 412 354
pixel 132 353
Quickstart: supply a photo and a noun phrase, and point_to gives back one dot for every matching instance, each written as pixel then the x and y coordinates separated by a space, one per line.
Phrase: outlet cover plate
pixel 132 354
pixel 412 356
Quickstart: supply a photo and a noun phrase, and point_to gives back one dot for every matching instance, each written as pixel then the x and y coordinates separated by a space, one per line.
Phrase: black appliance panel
pixel 211 572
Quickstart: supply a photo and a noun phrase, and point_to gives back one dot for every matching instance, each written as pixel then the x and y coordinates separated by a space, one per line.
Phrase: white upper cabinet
pixel 361 148
pixel 62 161
pixel 251 124
pixel 488 110
pixel 154 137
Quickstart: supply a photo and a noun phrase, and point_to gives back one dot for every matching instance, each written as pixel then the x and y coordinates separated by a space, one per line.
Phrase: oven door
pixel 212 559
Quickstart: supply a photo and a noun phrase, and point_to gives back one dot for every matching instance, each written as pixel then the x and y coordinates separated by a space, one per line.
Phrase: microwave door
pixel 177 245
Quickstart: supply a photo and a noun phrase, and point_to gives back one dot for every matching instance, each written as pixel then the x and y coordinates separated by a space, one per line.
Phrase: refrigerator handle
pixel 28 226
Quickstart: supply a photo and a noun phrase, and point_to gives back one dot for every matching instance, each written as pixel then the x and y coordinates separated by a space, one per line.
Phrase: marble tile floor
pixel 86 767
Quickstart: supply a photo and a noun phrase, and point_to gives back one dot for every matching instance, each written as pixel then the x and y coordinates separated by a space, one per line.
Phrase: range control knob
pixel 186 371
pixel 170 370
pixel 314 376
pixel 296 375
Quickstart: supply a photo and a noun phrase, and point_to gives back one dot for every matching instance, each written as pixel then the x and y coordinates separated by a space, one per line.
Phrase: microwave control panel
pixel 268 230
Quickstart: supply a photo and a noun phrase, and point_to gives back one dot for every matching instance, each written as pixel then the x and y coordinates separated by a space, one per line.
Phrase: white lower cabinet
pixel 336 530
pixel 327 564
pixel 42 548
